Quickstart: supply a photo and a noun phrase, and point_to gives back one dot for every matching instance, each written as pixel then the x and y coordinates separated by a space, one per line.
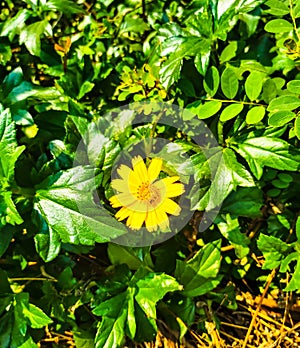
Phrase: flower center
pixel 143 191
pixel 148 192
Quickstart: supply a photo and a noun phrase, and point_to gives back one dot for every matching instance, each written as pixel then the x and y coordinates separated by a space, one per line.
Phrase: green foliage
pixel 64 65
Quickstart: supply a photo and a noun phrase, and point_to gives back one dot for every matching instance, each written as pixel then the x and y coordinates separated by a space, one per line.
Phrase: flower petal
pixel 115 203
pixel 167 188
pixel 136 220
pixel 150 221
pixel 154 168
pixel 120 185
pixel 170 207
pixel 124 172
pixel 162 219
pixel 175 190
pixel 122 200
pixel 139 169
pixel 140 206
pixel 123 213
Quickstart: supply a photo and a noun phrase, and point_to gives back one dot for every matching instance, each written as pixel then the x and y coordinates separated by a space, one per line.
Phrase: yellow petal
pixel 136 220
pixel 123 213
pixel 115 202
pixel 139 206
pixel 123 199
pixel 150 220
pixel 139 169
pixel 124 172
pixel 162 219
pixel 120 185
pixel 154 168
pixel 167 188
pixel 170 179
pixel 170 207
pixel 174 190
pixel 134 182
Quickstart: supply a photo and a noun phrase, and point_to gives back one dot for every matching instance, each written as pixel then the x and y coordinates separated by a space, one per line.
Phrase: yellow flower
pixel 143 197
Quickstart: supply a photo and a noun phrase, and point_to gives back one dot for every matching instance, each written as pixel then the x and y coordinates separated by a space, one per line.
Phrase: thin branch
pixel 235 101
pixel 31 279
pixel 269 281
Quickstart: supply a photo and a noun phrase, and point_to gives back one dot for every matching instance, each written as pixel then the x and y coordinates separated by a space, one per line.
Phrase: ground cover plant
pixel 149 173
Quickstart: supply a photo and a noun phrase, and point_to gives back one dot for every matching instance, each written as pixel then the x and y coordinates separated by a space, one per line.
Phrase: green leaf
pixel 296 11
pixel 244 202
pixel 280 118
pixel 57 201
pixel 26 90
pixel 83 339
pixel 230 112
pixel 21 318
pixel 225 14
pixel 47 241
pixel 229 51
pixel 170 71
pixel 181 47
pixel 132 257
pixel 205 110
pixel 85 88
pixel 200 274
pixel 273 249
pixel 10 152
pixel 151 289
pixel 9 209
pixel 229 82
pixel 4 283
pixel 229 174
pixel 253 85
pixel 15 24
pixel 238 173
pixel 8 145
pixel 266 151
pixel 284 102
pixel 67 6
pixel 6 323
pixel 133 24
pixel 5 51
pixel 201 61
pixel 278 26
pixel 31 36
pixel 110 331
pixel 297 127
pixel 13 79
pixel 66 281
pixel 298 228
pixel 211 81
pixel 277 8
pixel 293 86
pixel 6 234
pixel 120 312
pixel 255 114
pixel 294 284
pixel 269 91
pixel 35 316
pixel 230 229
pixel 131 315
pixel 280 184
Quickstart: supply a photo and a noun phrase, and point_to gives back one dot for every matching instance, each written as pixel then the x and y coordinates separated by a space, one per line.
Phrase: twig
pixel 31 279
pixel 269 281
pixel 235 101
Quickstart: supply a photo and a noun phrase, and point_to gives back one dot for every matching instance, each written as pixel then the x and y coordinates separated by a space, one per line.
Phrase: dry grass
pixel 259 322
pixel 271 320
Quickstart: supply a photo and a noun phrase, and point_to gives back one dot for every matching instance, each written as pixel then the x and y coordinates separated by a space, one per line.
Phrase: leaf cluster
pixel 64 65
